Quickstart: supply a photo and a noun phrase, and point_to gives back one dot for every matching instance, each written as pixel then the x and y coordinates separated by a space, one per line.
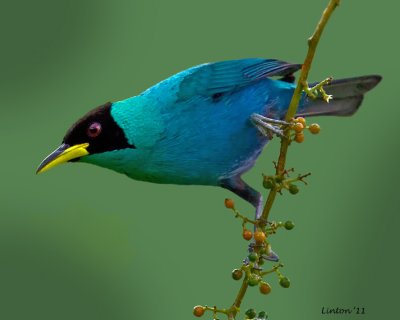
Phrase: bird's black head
pixel 99 129
pixel 95 132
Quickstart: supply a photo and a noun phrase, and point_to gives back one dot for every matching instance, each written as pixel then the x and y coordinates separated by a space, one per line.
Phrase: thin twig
pixel 294 103
pixel 280 167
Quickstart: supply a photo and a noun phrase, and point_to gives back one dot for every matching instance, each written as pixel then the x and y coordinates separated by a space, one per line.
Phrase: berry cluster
pixel 259 251
pixel 281 182
pixel 251 270
pixel 254 273
pixel 299 124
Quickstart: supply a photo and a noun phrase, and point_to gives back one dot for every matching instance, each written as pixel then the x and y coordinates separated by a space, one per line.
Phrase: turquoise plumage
pixel 196 127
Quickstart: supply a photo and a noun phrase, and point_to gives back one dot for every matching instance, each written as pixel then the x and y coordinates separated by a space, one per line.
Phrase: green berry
pixel 268 183
pixel 253 257
pixel 250 314
pixel 237 274
pixel 262 315
pixel 284 282
pixel 293 189
pixel 289 225
pixel 253 280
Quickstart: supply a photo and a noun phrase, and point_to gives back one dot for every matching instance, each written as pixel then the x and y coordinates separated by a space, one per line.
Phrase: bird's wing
pixel 225 76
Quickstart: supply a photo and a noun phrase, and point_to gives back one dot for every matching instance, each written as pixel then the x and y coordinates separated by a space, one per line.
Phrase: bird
pixel 205 125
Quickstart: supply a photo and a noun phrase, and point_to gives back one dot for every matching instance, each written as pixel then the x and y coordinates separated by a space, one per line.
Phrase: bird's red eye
pixel 94 130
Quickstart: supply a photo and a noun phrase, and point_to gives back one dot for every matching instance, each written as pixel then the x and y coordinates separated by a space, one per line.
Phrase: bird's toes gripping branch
pixel 268 127
pixel 318 89
pixel 292 130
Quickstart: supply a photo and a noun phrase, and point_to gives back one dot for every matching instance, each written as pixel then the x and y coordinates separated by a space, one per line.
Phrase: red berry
pixel 247 234
pixel 198 311
pixel 229 203
pixel 265 288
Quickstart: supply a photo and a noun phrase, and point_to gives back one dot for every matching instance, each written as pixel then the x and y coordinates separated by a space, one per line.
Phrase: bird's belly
pixel 190 166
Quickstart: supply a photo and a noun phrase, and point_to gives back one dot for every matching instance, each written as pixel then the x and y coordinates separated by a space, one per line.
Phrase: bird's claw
pixel 268 126
pixel 271 257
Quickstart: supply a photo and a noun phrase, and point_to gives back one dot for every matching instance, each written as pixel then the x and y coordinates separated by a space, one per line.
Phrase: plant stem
pixel 294 103
pixel 280 168
pixel 238 301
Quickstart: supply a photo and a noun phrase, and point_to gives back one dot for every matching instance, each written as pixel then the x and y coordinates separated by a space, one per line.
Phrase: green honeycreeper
pixel 199 127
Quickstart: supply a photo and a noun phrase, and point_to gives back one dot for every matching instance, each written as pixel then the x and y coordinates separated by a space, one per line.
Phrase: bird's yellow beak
pixel 63 154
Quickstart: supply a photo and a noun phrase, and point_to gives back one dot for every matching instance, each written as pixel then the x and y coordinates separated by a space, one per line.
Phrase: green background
pixel 81 242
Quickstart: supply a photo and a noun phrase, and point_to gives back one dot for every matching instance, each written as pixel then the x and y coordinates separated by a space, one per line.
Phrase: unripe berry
pixel 253 280
pixel 284 282
pixel 265 288
pixel 289 225
pixel 250 314
pixel 262 315
pixel 253 257
pixel 314 128
pixel 229 203
pixel 237 274
pixel 247 234
pixel 293 189
pixel 259 236
pixel 198 311
pixel 268 183
pixel 279 179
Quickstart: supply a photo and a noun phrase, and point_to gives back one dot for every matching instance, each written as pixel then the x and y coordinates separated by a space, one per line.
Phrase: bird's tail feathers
pixel 347 97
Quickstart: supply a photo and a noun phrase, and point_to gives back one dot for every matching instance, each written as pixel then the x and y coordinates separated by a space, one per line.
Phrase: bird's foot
pixel 271 257
pixel 318 89
pixel 267 126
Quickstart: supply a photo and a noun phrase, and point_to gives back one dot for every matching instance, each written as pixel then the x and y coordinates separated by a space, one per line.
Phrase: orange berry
pixel 259 236
pixel 265 288
pixel 198 311
pixel 299 137
pixel 301 120
pixel 314 128
pixel 229 203
pixel 247 234
pixel 298 127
